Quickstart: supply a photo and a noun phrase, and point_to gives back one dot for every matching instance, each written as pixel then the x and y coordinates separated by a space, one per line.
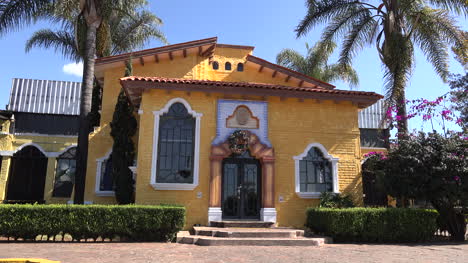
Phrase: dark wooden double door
pixel 241 188
pixel 27 176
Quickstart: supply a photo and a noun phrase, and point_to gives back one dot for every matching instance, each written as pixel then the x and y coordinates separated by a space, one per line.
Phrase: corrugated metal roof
pixel 45 96
pixel 371 117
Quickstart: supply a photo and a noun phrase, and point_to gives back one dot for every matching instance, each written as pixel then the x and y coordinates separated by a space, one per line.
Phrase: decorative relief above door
pixel 242 118
pixel 233 115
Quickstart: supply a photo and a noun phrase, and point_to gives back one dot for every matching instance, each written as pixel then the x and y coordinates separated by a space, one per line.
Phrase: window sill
pixel 310 195
pixel 105 193
pixel 165 186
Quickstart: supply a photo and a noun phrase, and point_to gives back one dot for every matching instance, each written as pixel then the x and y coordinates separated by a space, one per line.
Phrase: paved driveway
pixel 166 252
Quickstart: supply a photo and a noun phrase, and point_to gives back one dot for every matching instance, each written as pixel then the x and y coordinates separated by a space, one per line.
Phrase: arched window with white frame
pixel 65 173
pixel 104 179
pixel 316 172
pixel 176 144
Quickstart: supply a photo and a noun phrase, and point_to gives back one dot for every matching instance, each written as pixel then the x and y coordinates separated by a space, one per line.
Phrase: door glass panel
pixel 249 190
pixel 230 184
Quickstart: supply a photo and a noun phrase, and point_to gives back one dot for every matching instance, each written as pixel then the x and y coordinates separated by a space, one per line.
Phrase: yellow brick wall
pixel 289 131
pixel 334 125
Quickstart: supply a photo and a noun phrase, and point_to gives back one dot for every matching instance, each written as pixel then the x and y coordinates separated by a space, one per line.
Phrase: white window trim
pixel 154 161
pixel 98 176
pixel 334 170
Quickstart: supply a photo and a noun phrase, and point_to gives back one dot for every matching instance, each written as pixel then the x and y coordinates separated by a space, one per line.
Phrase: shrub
pixel 373 224
pixel 131 222
pixel 332 200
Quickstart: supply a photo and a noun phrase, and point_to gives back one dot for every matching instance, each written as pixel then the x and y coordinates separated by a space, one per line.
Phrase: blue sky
pixel 266 24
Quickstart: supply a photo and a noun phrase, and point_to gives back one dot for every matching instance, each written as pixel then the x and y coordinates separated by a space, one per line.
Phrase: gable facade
pixel 219 94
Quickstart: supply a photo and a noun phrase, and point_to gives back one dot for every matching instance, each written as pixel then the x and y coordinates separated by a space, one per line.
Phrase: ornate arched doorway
pixel 27 175
pixel 242 185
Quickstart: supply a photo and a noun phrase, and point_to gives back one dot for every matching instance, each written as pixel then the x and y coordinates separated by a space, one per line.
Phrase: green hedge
pixel 380 225
pixel 130 222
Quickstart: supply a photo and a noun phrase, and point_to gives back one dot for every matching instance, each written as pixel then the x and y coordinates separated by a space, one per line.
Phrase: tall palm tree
pixel 91 18
pixel 395 27
pixel 315 63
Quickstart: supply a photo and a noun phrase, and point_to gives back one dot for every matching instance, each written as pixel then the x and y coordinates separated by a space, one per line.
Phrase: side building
pixel 38 141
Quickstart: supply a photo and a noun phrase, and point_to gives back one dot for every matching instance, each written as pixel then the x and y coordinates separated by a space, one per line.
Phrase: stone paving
pixel 171 252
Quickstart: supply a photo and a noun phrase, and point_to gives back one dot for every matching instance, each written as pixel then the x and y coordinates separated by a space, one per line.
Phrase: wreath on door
pixel 239 142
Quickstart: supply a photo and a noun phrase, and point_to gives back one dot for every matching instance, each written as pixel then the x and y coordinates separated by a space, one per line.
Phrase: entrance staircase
pixel 248 233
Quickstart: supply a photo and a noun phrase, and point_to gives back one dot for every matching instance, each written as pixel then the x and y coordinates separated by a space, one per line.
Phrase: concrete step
pixel 254 224
pixel 248 232
pixel 223 241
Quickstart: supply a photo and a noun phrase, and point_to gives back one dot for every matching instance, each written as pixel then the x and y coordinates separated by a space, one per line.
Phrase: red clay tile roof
pixel 135 85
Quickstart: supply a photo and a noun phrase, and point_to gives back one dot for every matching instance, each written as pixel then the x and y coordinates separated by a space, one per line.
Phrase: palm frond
pixel 340 25
pixel 398 60
pixel 323 11
pixel 19 13
pixel 318 55
pixel 292 59
pixel 339 72
pixel 61 41
pixel 434 31
pixel 358 36
pixel 459 7
pixel 130 33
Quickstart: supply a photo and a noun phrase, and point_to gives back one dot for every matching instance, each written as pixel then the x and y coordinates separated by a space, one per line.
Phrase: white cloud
pixel 75 69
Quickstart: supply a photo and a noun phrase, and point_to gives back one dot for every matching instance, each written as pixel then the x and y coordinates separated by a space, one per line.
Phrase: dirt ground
pixel 170 252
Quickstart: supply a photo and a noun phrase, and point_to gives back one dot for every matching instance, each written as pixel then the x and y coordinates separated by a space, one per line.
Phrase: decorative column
pixel 214 210
pixel 268 210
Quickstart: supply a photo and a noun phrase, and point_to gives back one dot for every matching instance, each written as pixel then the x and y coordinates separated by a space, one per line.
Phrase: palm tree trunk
pixel 401 111
pixel 85 109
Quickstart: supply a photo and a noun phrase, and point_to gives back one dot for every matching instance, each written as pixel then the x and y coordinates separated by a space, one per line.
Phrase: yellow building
pixel 38 141
pixel 220 131
pixel 229 135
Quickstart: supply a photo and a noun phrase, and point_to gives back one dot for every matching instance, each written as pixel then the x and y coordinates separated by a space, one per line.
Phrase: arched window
pixel 104 179
pixel 227 66
pixel 240 67
pixel 215 65
pixel 176 146
pixel 65 173
pixel 316 172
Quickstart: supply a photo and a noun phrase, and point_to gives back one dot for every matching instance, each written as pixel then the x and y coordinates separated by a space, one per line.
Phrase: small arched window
pixel 215 65
pixel 227 66
pixel 240 67
pixel 65 174
pixel 106 181
pixel 316 172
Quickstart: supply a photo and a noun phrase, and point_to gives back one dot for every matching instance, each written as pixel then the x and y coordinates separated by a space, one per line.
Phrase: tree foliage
pixel 315 63
pixel 123 128
pixel 459 98
pixel 429 167
pixel 395 27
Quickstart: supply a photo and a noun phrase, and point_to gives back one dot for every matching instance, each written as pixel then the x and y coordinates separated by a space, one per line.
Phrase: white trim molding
pixel 334 170
pixel 11 153
pixel 214 214
pixel 57 154
pixel 154 161
pixel 98 176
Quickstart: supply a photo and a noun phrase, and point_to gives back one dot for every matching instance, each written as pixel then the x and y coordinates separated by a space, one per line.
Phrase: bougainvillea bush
pixel 431 167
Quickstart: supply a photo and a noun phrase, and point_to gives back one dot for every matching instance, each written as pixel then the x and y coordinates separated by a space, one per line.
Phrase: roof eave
pixel 135 88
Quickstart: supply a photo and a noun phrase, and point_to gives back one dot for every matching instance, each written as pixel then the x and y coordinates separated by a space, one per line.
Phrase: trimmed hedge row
pixel 380 225
pixel 129 222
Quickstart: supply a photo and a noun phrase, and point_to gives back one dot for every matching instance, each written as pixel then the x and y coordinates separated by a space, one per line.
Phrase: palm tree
pixel 395 27
pixel 315 63
pixel 90 20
